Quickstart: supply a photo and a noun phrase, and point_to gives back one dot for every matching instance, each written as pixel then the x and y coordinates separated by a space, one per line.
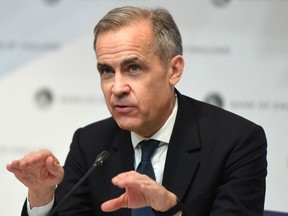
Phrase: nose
pixel 120 85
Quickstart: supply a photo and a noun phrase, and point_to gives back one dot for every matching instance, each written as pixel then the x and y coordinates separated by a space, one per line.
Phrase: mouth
pixel 123 109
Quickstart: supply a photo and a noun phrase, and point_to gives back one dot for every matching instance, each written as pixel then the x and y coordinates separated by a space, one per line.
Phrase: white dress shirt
pixel 163 135
pixel 158 158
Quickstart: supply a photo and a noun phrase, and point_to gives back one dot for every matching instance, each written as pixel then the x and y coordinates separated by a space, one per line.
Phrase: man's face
pixel 137 86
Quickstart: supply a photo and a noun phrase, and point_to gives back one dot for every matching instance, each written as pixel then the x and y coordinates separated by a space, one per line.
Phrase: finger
pixel 29 160
pixel 134 180
pixel 9 167
pixel 54 167
pixel 35 158
pixel 127 176
pixel 114 204
pixel 13 166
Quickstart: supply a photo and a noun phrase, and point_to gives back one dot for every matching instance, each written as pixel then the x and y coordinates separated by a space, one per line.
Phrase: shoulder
pixel 204 110
pixel 90 140
pixel 98 130
pixel 96 134
pixel 212 119
pixel 102 125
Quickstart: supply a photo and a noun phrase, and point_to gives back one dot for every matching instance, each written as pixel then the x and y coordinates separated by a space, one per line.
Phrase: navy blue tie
pixel 145 167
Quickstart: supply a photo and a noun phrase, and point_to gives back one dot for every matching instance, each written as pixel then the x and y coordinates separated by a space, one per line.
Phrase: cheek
pixel 148 101
pixel 106 92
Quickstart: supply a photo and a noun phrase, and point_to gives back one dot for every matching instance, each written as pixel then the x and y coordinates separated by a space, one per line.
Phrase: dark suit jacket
pixel 216 164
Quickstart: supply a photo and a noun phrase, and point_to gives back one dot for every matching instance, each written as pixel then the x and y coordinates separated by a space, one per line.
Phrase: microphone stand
pixel 100 160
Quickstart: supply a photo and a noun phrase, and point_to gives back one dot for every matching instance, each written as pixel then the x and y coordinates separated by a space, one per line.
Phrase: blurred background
pixel 236 54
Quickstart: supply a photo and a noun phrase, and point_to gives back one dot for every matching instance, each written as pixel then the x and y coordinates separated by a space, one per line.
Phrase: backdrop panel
pixel 235 53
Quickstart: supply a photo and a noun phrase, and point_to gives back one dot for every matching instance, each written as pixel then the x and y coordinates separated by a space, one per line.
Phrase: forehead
pixel 137 36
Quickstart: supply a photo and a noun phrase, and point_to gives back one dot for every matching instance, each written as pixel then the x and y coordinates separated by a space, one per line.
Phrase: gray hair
pixel 167 37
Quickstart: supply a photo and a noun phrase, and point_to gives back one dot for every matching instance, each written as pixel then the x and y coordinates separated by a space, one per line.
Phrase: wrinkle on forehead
pixel 137 37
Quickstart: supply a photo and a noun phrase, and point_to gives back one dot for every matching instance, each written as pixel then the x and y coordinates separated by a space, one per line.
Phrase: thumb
pixel 54 167
pixel 113 204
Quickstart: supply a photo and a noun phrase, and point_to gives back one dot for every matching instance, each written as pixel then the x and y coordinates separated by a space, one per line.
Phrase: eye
pixel 134 68
pixel 105 70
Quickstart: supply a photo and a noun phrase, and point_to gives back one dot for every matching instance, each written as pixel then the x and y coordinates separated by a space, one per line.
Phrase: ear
pixel 176 68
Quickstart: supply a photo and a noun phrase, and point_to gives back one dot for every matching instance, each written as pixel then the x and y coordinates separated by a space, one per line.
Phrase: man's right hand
pixel 40 171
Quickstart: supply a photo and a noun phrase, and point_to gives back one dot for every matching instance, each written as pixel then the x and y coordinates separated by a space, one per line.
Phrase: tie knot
pixel 148 147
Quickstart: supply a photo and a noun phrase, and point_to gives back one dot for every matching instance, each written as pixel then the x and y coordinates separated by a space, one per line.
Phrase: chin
pixel 126 125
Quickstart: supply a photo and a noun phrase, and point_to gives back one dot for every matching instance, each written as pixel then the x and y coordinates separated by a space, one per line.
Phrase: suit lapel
pixel 122 152
pixel 181 161
pixel 122 159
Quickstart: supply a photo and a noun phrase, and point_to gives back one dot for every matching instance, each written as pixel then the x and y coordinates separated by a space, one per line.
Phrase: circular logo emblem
pixel 44 98
pixel 214 99
pixel 220 2
pixel 51 2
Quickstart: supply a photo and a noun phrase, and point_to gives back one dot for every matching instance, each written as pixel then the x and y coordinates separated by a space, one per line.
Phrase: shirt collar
pixel 163 134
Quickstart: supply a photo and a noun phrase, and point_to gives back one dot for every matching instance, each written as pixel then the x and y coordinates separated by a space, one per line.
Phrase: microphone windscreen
pixel 101 158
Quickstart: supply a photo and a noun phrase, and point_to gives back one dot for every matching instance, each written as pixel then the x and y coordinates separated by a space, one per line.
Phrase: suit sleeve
pixel 24 211
pixel 79 203
pixel 242 191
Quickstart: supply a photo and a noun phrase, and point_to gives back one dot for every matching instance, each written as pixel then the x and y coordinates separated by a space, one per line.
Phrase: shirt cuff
pixel 41 210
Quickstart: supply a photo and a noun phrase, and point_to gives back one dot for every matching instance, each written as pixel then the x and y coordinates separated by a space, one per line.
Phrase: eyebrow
pixel 122 64
pixel 101 66
pixel 130 60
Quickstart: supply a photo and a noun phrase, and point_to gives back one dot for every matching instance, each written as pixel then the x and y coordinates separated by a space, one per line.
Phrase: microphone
pixel 100 160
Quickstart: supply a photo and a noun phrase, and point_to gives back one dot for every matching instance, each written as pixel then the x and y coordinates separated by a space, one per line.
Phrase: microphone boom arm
pixel 100 160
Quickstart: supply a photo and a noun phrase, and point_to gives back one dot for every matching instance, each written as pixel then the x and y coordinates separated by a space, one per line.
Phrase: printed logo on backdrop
pixel 268 105
pixel 28 48
pixel 269 1
pixel 277 106
pixel 220 3
pixel 44 98
pixel 215 99
pixel 51 2
pixel 208 50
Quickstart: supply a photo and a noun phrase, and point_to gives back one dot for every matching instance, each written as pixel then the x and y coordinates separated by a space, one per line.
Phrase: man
pixel 208 162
